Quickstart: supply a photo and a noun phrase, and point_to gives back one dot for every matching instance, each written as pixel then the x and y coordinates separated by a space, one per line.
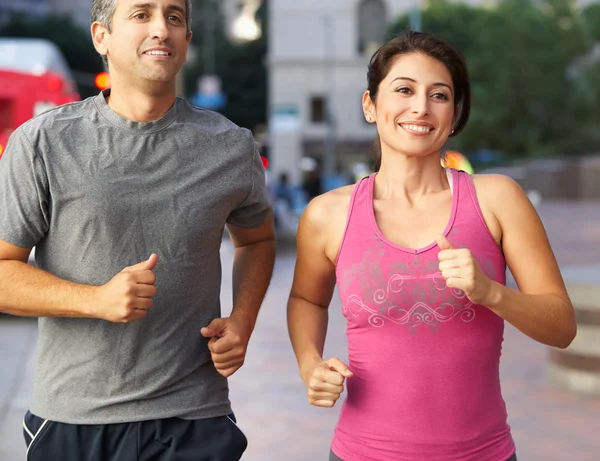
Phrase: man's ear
pixel 100 35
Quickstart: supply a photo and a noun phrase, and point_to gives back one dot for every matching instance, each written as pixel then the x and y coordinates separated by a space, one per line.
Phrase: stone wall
pixel 560 179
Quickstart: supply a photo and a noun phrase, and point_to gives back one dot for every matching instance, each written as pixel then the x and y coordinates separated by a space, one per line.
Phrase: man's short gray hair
pixel 104 10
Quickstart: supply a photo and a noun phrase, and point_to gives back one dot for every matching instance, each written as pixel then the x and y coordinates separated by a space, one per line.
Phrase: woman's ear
pixel 369 108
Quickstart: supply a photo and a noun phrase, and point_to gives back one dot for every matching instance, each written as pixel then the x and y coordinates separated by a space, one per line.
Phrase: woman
pixel 419 255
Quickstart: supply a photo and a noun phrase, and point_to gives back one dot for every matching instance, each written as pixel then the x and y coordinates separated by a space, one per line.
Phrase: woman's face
pixel 414 108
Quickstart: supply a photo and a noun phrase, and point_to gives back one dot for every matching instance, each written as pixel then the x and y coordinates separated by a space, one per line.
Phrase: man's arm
pixel 24 221
pixel 28 291
pixel 252 268
pixel 253 263
pixel 252 232
pixel 31 292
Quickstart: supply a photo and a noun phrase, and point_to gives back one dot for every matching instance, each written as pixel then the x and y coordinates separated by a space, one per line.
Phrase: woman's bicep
pixel 314 274
pixel 525 243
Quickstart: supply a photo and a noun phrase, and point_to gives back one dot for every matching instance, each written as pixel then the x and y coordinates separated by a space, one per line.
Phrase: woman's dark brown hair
pixel 421 42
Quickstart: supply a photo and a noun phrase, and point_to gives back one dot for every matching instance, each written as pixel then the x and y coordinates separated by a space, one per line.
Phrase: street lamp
pixel 329 151
pixel 415 17
pixel 245 28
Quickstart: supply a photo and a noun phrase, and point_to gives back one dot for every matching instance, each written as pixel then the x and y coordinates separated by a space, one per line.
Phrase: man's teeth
pixel 419 128
pixel 157 53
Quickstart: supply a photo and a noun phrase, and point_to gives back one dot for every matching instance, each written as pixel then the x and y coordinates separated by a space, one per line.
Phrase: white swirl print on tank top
pixel 408 296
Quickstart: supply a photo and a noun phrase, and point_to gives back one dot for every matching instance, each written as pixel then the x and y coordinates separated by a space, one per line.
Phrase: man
pixel 125 197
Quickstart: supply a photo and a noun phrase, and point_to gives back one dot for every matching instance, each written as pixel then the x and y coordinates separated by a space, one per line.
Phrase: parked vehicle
pixel 34 77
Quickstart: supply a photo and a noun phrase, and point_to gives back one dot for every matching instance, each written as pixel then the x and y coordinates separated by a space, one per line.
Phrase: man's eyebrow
pixel 143 6
pixel 151 5
pixel 177 8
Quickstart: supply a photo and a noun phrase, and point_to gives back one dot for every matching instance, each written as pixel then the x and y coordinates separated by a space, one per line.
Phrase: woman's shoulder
pixel 502 202
pixel 330 204
pixel 324 220
pixel 497 189
pixel 494 180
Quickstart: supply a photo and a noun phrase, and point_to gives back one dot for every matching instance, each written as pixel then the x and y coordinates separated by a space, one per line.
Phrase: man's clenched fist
pixel 128 295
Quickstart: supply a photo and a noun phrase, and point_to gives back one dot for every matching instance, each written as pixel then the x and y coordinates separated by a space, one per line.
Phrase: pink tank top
pixel 426 383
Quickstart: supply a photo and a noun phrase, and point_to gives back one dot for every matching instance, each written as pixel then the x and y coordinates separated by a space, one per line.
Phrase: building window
pixel 371 26
pixel 318 109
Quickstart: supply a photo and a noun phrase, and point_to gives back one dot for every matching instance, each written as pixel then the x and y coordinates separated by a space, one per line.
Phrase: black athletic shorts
pixel 172 439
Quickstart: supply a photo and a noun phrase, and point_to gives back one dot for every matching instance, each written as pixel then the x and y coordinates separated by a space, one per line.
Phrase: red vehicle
pixel 34 77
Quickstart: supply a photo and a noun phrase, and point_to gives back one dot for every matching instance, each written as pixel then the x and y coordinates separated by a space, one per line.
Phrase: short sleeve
pixel 24 198
pixel 254 209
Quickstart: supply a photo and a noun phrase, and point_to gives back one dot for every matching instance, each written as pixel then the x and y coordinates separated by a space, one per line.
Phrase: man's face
pixel 148 40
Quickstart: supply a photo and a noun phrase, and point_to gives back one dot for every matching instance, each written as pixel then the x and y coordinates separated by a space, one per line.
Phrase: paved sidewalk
pixel 17 361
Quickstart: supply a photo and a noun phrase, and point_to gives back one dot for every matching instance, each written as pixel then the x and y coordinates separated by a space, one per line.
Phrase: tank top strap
pixel 470 204
pixel 357 212
pixel 363 194
pixel 470 209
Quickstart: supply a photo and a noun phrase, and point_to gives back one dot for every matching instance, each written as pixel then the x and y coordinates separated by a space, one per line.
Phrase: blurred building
pixel 33 8
pixel 318 55
pixel 78 10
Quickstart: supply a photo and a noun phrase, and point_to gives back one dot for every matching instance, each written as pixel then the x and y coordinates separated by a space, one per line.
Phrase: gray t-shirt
pixel 95 193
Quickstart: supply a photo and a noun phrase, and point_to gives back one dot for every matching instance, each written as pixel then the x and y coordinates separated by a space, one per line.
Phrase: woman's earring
pixel 452 132
pixel 368 118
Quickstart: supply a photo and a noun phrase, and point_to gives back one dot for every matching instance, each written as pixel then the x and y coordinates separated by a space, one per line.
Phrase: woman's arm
pixel 307 314
pixel 541 308
pixel 312 288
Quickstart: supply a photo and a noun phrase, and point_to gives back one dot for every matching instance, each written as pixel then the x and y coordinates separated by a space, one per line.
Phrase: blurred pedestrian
pixel 125 197
pixel 312 184
pixel 419 256
pixel 283 189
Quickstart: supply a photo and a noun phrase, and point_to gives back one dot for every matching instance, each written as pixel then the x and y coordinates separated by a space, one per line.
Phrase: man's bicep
pixel 241 236
pixel 10 252
pixel 251 215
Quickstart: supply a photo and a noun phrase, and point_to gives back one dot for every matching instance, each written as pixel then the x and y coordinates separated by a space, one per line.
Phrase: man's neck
pixel 138 106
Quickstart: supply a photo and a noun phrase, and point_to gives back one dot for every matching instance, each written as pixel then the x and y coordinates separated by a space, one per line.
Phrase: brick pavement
pixel 573 230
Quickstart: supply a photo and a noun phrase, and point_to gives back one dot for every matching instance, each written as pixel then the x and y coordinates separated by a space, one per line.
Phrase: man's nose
pixel 160 29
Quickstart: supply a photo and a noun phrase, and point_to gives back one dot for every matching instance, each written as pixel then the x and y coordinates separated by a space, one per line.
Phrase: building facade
pixel 33 8
pixel 318 56
pixel 78 10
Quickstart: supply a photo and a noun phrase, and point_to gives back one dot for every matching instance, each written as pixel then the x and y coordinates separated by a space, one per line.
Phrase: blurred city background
pixel 293 72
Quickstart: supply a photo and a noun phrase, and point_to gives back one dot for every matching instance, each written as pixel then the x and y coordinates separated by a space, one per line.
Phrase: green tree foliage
pixel 74 42
pixel 241 67
pixel 591 15
pixel 528 98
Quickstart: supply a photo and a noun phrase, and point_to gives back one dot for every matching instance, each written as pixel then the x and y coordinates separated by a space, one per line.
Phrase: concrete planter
pixel 577 368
